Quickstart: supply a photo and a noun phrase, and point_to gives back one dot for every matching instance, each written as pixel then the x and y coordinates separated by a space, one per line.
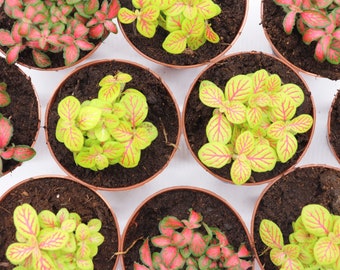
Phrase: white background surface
pixel 183 169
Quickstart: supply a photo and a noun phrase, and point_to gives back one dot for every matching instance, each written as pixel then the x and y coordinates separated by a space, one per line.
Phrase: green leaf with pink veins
pixel 136 108
pixel 113 150
pixel 260 80
pixel 210 94
pixel 26 220
pixel 316 219
pixel 285 110
pixel 294 92
pixel 131 155
pixel 273 83
pixel 88 117
pixel 123 132
pixel 286 147
pixel 271 234
pixel 219 129
pixel 47 219
pixel 300 124
pixel 239 88
pixel 215 154
pixel 263 158
pixel 52 239
pixel 68 108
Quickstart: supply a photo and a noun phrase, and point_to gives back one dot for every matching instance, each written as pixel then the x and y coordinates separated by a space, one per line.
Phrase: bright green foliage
pixel 109 129
pixel 253 123
pixel 191 244
pixel 53 241
pixel 314 243
pixel 186 21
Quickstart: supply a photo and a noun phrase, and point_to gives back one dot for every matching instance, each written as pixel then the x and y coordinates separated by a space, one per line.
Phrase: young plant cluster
pixel 53 241
pixel 314 243
pixel 109 129
pixel 8 151
pixel 55 26
pixel 186 21
pixel 184 244
pixel 253 123
pixel 316 21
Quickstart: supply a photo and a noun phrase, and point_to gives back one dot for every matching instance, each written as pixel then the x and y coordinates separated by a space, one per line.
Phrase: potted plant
pixel 20 117
pixel 219 124
pixel 333 126
pixel 195 211
pixel 178 34
pixel 133 136
pixel 50 34
pixel 305 34
pixel 59 205
pixel 306 185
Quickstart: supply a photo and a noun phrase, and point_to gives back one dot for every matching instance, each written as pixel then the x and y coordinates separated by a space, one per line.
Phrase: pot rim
pixel 186 187
pixel 185 108
pixel 331 146
pixel 264 191
pixel 129 62
pixel 214 59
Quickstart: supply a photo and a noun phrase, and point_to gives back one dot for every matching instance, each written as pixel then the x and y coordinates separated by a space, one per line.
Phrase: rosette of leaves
pixel 318 22
pixel 8 150
pixel 191 244
pixel 186 21
pixel 253 123
pixel 313 244
pixel 109 129
pixel 55 26
pixel 53 241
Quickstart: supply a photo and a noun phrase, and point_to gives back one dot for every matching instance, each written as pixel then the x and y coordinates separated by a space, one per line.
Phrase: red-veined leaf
pixel 84 45
pixel 126 16
pixel 211 35
pixel 210 94
pixel 123 132
pixel 190 12
pixel 17 252
pixel 171 222
pixel 208 9
pixel 173 23
pixel 6 131
pixel 277 256
pixel 254 116
pixel 88 117
pixel 214 252
pixel 235 112
pixel 52 239
pixel 175 9
pixel 271 234
pixel 260 80
pixel 193 27
pixel 85 263
pixel 218 129
pixel 286 147
pixel 240 171
pixel 215 155
pixel 113 149
pixel 175 42
pixel 82 232
pixel 131 156
pixel 277 130
pixel 315 18
pixel 195 42
pixel 285 110
pixel 68 108
pixel 26 220
pixel 239 88
pixel 273 83
pixel 294 92
pixel 23 153
pixel 136 108
pixel 289 22
pixel 141 139
pixel 262 158
pixel 326 251
pixel 146 28
pixel 86 159
pixel 301 123
pixel 96 31
pixel 316 219
pixel 245 143
pixel 149 13
pixel 111 27
pixel 73 138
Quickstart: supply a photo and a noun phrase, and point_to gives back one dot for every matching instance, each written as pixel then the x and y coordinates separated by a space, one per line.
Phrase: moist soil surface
pixel 23 111
pixel 291 46
pixel 284 200
pixel 52 194
pixel 197 115
pixel 163 113
pixel 177 202
pixel 227 25
pixel 334 126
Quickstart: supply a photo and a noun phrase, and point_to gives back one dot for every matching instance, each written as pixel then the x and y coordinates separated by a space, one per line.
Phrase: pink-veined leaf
pixel 176 262
pixel 312 34
pixel 289 22
pixel 286 147
pixel 145 253
pixel 68 108
pixel 292 251
pixel 261 99
pixel 110 26
pixel 198 245
pixel 194 43
pixel 277 256
pixel 141 139
pixel 126 16
pixel 52 239
pixel 88 117
pixel 131 156
pixel 245 143
pixel 6 38
pixel 136 108
pixel 113 149
pixel 235 112
pixel 208 9
pixel 175 9
pixel 17 252
pixel 82 232
pixel 149 13
pixel 315 18
pixel 41 59
pixel 333 55
pixel 210 94
pixel 211 35
pixel 277 130
pixel 214 252
pixel 91 6
pixel 193 27
pixel 71 54
pixel 6 131
pixel 215 154
pixel 326 251
pixel 322 48
pixel 294 92
pixel 26 220
pixel 96 31
pixel 239 88
pixel 285 110
pixel 316 219
pixel 273 83
pixel 123 132
pixel 173 23
pixel 190 12
pixel 73 139
pixel 146 28
pixel 260 80
pixel 194 220
pixel 23 153
pixel 254 116
pixel 68 226
pixel 240 171
pixel 13 53
pixel 219 129
pixel 48 219
pixel 301 123
pixel 271 234
pixel 110 92
pixel 262 158
pixel 161 241
pixel 84 45
pixel 204 262
pixel 323 3
pixel 86 159
pixel 85 263
pixel 175 42
pixel 292 264
pixel 171 222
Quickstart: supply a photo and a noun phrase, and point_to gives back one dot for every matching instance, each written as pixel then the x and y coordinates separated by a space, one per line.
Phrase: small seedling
pixel 191 244
pixel 8 150
pixel 109 129
pixel 186 21
pixel 316 21
pixel 53 241
pixel 253 123
pixel 314 243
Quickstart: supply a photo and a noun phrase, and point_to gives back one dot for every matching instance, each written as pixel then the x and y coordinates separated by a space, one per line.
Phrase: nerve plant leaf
pixel 271 234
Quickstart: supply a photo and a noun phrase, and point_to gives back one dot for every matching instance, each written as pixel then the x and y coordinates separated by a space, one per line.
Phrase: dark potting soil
pixel 334 125
pixel 162 113
pixel 23 110
pixel 291 46
pixel 53 194
pixel 197 115
pixel 227 25
pixel 177 202
pixel 284 200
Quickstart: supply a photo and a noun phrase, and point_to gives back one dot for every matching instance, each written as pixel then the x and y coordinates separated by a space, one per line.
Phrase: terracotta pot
pixel 283 200
pixel 334 126
pixel 228 25
pixel 177 201
pixel 196 115
pixel 163 113
pixel 53 193
pixel 23 111
pixel 291 48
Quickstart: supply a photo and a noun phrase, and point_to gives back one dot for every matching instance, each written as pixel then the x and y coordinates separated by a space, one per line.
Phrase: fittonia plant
pixel 187 21
pixel 54 26
pixel 253 125
pixel 314 243
pixel 53 241
pixel 191 244
pixel 8 150
pixel 109 129
pixel 317 21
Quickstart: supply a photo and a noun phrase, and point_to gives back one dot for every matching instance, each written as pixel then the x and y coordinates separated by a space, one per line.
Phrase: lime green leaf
pixel 119 110
pixel 292 251
pixel 151 129
pixel 18 252
pixel 190 10
pixel 193 27
pixel 123 132
pixel 316 219
pixel 174 23
pixel 260 80
pixel 326 251
pixel 110 92
pixel 210 94
pixel 94 225
pixel 260 99
pixel 61 128
pixel 126 16
pixel 219 129
pixel 210 34
pixel 273 83
pixel 286 147
pixel 85 263
pixel 26 220
pixel 141 139
pixel 119 78
pixel 101 133
pixel 71 245
pixel 294 92
pixel 208 9
pixel 292 264
pixel 271 234
pixel 195 42
pixel 136 108
pixel 300 124
pixel 131 155
pixel 84 251
pixel 82 232
pixel 102 162
pixel 146 28
pixel 140 3
pixel 235 112
pixel 96 239
pixel 47 219
pixel 245 143
pixel 68 225
pixel 42 261
pixel 254 116
pixel 262 158
pixel 239 88
pixel 277 256
pixel 68 108
pixel 149 13
pixel 88 117
pixel 175 9
pixel 113 149
pixel 73 139
pixel 240 171
pixel 285 110
pixel 52 239
pixel 277 130
pixel 215 154
pixel 175 42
